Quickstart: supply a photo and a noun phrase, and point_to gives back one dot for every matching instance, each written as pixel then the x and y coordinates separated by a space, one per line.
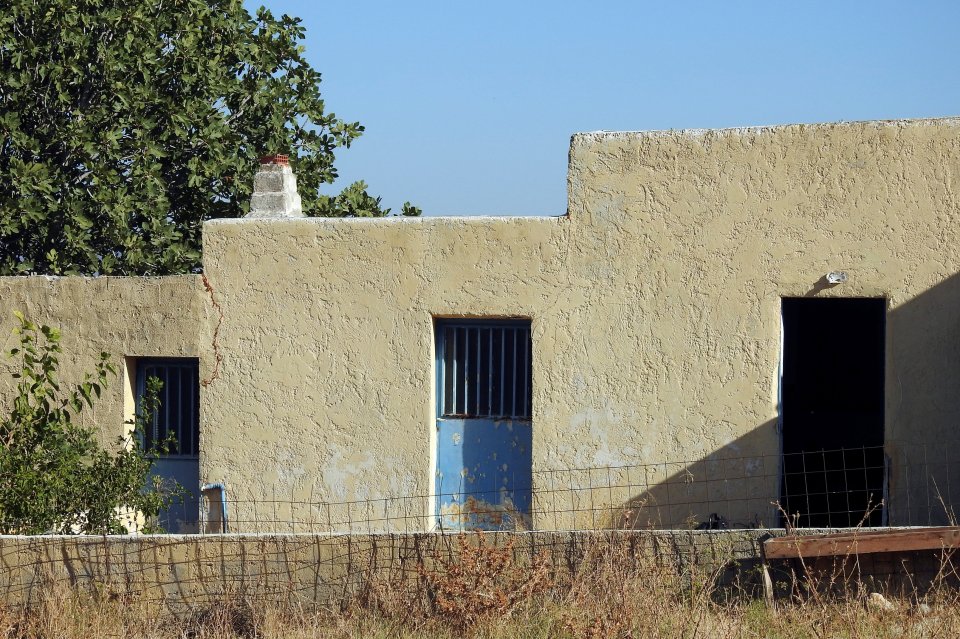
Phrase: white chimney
pixel 275 190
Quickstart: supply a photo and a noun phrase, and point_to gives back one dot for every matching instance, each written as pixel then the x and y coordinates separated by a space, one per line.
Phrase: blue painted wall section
pixel 484 474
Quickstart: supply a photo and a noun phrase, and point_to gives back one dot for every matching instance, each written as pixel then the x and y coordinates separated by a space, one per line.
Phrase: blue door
pixel 484 434
pixel 178 416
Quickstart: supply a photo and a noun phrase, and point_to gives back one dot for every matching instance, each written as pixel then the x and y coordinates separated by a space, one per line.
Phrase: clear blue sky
pixel 469 107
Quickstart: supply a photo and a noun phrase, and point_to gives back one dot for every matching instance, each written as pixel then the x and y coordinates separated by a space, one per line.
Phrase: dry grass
pixel 492 592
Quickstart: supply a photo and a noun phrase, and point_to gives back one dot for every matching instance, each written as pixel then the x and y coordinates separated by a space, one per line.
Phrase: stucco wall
pixel 731 221
pixel 123 316
pixel 655 314
pixel 655 309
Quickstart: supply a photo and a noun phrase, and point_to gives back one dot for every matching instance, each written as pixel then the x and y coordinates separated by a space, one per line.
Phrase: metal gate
pixel 484 433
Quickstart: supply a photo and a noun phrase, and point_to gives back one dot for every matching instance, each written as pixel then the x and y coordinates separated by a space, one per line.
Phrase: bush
pixel 55 477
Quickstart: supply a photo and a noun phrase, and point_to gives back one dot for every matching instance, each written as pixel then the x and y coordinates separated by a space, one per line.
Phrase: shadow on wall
pixel 923 406
pixel 735 484
pixel 733 487
pixel 740 485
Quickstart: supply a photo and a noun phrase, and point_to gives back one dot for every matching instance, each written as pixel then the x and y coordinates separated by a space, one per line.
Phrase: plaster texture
pixel 127 317
pixel 655 317
pixel 655 313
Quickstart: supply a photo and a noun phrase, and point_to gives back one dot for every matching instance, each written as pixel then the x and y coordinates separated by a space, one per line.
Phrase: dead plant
pixel 480 581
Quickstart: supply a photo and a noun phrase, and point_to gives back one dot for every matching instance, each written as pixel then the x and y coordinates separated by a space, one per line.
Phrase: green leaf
pixel 55 476
pixel 125 129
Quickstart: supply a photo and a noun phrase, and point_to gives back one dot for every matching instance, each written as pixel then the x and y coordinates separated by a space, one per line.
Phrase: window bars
pixel 484 369
pixel 178 413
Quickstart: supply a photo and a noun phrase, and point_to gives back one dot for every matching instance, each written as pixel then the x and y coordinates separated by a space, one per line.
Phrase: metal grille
pixel 834 488
pixel 485 369
pixel 178 413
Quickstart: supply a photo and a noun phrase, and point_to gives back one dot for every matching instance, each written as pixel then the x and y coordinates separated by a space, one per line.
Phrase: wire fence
pixel 191 572
pixel 897 485
pixel 679 516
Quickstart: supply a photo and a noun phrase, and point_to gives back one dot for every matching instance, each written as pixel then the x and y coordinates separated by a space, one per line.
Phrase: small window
pixel 179 411
pixel 484 369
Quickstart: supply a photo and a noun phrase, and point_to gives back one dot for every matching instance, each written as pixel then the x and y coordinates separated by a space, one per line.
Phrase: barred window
pixel 484 369
pixel 179 410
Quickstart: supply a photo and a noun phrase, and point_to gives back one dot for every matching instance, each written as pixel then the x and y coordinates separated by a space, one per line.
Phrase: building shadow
pixel 922 439
pixel 735 486
pixel 741 485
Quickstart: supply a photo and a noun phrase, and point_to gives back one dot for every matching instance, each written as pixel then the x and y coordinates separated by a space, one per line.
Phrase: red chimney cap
pixel 276 158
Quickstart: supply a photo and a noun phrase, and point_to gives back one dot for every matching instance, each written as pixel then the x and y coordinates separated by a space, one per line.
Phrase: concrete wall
pixel 190 573
pixel 184 574
pixel 127 317
pixel 655 309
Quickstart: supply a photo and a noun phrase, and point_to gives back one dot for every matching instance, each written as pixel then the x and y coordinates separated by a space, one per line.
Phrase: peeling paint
pixel 490 469
pixel 477 514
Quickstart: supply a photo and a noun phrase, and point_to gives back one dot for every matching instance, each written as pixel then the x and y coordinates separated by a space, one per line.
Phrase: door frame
pixel 439 324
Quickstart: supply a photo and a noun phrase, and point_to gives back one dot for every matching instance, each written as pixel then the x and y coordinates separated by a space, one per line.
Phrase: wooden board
pixel 861 542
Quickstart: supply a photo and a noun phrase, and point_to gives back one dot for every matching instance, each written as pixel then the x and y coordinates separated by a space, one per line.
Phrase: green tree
pixel 55 477
pixel 125 124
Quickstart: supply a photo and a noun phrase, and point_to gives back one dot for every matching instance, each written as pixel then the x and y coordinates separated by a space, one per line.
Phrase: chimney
pixel 275 190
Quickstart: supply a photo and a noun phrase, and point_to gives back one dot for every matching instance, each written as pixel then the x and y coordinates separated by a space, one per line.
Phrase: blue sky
pixel 469 107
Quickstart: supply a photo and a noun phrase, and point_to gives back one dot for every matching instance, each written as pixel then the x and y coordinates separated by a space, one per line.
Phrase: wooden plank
pixel 767 587
pixel 861 542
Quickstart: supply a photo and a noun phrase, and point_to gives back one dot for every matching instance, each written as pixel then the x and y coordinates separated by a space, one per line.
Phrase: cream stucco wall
pixel 655 313
pixel 127 317
pixel 655 309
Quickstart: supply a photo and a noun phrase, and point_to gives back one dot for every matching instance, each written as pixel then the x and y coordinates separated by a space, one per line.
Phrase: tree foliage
pixel 54 475
pixel 354 201
pixel 125 124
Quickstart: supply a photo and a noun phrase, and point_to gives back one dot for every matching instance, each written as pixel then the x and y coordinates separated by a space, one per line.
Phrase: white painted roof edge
pixel 953 120
pixel 424 219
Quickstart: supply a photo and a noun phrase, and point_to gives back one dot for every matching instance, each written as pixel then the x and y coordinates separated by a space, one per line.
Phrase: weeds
pixel 482 581
pixel 475 587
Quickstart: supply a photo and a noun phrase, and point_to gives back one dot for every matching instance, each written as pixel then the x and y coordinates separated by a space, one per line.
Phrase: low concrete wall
pixel 184 574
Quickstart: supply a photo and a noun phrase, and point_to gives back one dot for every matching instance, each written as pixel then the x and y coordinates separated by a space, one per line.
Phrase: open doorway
pixel 832 404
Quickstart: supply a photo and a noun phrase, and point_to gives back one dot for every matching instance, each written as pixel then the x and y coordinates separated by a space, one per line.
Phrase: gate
pixel 484 428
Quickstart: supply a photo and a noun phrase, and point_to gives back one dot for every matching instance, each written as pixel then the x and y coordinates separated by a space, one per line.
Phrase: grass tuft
pixel 489 591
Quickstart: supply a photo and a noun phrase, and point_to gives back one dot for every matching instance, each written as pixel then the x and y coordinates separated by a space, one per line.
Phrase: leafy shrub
pixel 55 477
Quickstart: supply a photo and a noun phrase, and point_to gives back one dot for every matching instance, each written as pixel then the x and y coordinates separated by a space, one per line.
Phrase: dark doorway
pixel 832 411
